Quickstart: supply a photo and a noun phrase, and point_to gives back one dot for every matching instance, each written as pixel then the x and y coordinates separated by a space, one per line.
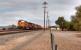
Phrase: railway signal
pixel 45 6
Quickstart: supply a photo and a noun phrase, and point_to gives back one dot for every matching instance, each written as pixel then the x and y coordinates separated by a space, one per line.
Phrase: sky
pixel 32 10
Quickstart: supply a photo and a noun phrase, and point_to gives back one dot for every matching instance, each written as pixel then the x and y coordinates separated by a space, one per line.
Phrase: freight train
pixel 22 24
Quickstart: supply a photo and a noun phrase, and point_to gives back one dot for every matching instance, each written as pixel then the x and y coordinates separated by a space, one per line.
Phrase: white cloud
pixel 32 10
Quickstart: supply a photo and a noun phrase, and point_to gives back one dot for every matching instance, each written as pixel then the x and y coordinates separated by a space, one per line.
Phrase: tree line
pixel 74 24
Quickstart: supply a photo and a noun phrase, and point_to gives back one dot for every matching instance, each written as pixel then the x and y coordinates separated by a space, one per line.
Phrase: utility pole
pixel 45 6
pixel 53 44
pixel 47 22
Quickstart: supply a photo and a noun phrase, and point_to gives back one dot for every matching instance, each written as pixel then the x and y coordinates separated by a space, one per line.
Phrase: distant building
pixel 9 27
pixel 55 27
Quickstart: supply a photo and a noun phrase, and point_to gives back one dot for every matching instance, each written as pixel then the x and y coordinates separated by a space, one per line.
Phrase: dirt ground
pixel 37 40
pixel 68 40
pixel 41 43
pixel 65 40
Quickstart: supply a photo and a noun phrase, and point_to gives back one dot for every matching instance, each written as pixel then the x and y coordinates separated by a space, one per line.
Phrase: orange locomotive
pixel 27 25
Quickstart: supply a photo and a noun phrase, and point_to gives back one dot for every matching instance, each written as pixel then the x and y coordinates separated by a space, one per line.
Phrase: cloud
pixel 32 10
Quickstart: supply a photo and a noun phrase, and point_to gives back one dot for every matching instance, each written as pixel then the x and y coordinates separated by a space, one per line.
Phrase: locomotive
pixel 22 24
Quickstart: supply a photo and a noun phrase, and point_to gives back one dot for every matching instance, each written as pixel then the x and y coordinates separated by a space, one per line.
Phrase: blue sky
pixel 32 10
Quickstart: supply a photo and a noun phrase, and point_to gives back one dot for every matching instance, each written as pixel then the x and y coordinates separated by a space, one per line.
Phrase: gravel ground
pixel 68 40
pixel 36 40
pixel 39 40
pixel 41 43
